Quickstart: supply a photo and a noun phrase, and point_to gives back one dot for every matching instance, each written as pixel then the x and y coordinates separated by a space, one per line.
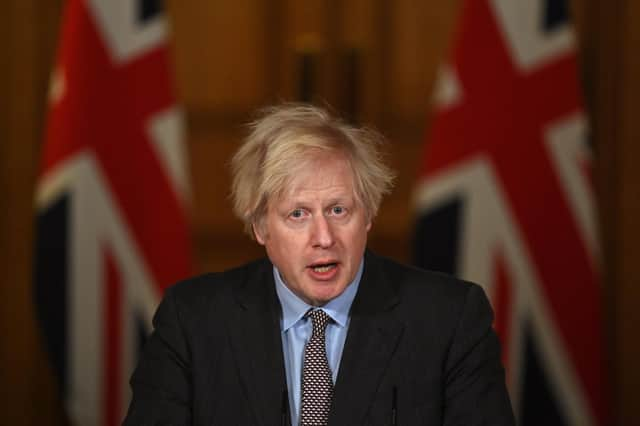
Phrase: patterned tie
pixel 317 384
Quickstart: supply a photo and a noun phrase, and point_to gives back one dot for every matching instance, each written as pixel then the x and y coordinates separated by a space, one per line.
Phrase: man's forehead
pixel 325 194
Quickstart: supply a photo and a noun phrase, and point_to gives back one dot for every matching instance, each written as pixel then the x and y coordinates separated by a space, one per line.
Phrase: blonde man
pixel 321 331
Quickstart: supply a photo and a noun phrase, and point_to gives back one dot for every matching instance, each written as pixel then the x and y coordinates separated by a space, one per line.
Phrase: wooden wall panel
pixel 361 35
pixel 218 234
pixel 419 37
pixel 221 53
pixel 310 29
pixel 627 234
pixel 601 34
pixel 610 40
pixel 28 392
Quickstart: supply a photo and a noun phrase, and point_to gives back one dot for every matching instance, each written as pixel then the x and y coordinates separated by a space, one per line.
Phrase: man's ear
pixel 258 233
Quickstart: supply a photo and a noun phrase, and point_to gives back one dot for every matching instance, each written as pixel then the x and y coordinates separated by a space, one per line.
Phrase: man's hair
pixel 284 139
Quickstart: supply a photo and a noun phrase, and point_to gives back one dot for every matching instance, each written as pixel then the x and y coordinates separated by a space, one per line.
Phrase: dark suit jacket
pixel 215 357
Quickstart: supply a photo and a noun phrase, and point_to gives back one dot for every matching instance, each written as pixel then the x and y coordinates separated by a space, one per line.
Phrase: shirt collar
pixel 294 308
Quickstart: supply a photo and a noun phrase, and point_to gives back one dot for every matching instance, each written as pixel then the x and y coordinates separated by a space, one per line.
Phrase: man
pixel 322 331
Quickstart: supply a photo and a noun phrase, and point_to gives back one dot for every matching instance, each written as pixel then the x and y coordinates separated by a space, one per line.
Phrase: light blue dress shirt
pixel 296 331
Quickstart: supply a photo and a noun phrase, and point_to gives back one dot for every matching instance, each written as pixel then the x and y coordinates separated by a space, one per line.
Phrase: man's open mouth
pixel 323 267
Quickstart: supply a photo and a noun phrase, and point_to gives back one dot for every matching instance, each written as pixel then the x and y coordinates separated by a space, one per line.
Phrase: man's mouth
pixel 323 267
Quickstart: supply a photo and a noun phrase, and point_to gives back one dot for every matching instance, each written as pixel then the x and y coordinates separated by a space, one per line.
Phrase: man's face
pixel 316 233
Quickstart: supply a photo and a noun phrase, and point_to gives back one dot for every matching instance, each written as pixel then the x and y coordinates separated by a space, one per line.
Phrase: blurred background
pixel 375 62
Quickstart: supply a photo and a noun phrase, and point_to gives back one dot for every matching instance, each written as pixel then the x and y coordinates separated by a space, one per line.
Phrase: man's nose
pixel 322 233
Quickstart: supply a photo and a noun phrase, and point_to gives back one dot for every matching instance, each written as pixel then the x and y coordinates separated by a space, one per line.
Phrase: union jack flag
pixel 505 199
pixel 111 200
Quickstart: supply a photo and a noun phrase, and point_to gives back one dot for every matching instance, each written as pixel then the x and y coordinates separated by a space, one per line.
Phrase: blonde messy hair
pixel 283 139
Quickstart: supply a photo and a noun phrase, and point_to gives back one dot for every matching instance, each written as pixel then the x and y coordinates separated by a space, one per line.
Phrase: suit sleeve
pixel 475 392
pixel 161 383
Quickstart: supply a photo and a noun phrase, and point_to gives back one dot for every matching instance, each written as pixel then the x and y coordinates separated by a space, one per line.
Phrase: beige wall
pixel 232 57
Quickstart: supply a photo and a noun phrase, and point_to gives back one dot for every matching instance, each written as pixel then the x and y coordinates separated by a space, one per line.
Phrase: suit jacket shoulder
pixel 422 295
pixel 215 354
pixel 211 287
pixel 434 337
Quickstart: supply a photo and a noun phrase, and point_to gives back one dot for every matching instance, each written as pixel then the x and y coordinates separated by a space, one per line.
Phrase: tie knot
pixel 319 320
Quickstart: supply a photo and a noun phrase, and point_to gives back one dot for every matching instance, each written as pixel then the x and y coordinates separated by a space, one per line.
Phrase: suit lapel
pixel 257 345
pixel 374 333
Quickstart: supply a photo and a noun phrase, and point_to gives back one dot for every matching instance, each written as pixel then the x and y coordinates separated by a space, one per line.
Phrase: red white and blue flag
pixel 505 199
pixel 111 200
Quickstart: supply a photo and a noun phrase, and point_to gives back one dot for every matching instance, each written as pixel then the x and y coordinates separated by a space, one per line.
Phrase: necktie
pixel 317 384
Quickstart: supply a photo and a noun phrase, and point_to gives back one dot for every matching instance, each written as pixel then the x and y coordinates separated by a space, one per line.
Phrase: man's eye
pixel 297 213
pixel 337 210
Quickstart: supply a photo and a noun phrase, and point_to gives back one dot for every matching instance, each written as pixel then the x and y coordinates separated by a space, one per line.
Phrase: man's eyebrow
pixel 340 200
